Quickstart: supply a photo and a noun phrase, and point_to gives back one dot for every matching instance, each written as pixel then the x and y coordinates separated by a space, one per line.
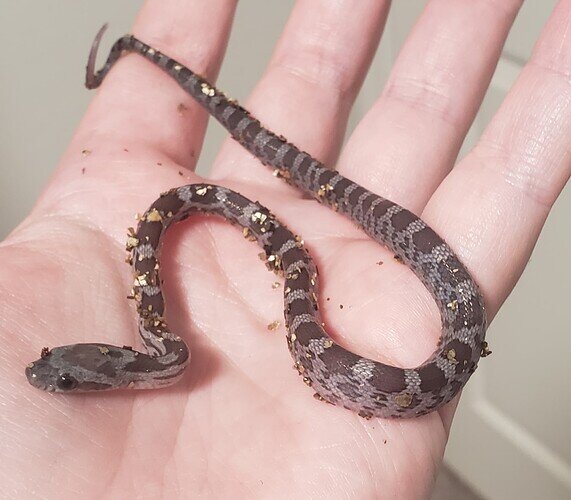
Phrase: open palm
pixel 241 423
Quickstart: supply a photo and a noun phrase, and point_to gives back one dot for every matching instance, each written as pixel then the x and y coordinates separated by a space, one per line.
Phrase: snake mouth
pixel 42 375
pixel 33 372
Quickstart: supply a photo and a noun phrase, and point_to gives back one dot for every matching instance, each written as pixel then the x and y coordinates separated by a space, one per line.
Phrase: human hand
pixel 241 423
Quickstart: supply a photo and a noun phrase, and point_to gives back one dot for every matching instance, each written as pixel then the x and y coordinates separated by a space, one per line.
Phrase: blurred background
pixel 511 437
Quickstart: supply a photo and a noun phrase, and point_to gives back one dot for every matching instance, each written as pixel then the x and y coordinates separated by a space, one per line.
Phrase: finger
pixel 492 207
pixel 138 106
pixel 311 81
pixel 409 140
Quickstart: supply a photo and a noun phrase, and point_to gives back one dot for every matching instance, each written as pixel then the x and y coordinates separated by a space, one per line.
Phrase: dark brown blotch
pixel 301 306
pixel 289 157
pixel 339 361
pixel 149 232
pixel 462 354
pixel 402 219
pixel 252 130
pixel 307 332
pixel 382 208
pixel 154 304
pixel 426 239
pixel 236 118
pixel 356 194
pixel 367 203
pixel 145 266
pixel 279 237
pixel 168 203
pixel 184 74
pixel 340 186
pixel 271 148
pixel 432 378
pixel 304 165
pixel 325 176
pixel 388 378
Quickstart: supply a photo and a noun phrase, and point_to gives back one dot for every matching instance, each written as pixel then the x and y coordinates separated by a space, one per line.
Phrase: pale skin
pixel 241 423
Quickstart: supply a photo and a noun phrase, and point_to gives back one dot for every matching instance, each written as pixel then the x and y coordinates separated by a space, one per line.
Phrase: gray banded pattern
pixel 335 374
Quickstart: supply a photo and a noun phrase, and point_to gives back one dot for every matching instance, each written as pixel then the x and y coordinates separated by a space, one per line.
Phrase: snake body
pixel 336 375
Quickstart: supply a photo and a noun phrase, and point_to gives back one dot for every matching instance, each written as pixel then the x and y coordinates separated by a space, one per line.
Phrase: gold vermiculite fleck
pixel 403 400
pixel 154 216
pixel 273 326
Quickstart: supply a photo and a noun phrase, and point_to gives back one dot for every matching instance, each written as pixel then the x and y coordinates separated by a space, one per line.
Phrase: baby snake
pixel 335 374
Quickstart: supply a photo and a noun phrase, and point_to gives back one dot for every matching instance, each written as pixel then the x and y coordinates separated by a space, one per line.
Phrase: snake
pixel 336 375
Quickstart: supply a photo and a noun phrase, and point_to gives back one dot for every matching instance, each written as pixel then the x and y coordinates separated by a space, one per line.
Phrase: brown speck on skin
pixel 86 152
pixel 180 173
pixel 159 164
pixel 83 170
pixel 273 326
pixel 380 263
pixel 181 108
pixel 340 306
pixel 384 441
pixel 126 150
pixel 45 352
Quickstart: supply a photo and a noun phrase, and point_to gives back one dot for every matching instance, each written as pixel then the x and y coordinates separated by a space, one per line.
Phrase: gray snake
pixel 336 375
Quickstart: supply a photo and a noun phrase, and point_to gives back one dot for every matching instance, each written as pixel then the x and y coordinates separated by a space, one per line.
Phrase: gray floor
pixel 449 487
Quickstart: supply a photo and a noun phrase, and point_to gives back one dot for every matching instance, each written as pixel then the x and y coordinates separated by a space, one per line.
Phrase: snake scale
pixel 336 375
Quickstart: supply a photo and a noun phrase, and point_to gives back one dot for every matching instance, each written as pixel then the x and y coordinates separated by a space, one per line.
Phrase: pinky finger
pixel 492 207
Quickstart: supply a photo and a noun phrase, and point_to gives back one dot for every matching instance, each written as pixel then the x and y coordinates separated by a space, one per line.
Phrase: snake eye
pixel 66 382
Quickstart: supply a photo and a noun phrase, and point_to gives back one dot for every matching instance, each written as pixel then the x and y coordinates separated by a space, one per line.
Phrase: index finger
pixel 136 105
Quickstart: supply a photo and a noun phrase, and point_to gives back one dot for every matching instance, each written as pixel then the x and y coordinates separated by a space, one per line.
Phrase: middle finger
pixel 309 87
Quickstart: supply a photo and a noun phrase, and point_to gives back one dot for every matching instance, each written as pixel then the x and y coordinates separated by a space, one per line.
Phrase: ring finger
pixel 417 126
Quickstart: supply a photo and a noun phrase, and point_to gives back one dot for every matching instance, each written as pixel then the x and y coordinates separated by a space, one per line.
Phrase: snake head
pixel 77 368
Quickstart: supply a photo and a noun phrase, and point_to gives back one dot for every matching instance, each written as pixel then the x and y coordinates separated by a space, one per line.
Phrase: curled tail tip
pixel 91 80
